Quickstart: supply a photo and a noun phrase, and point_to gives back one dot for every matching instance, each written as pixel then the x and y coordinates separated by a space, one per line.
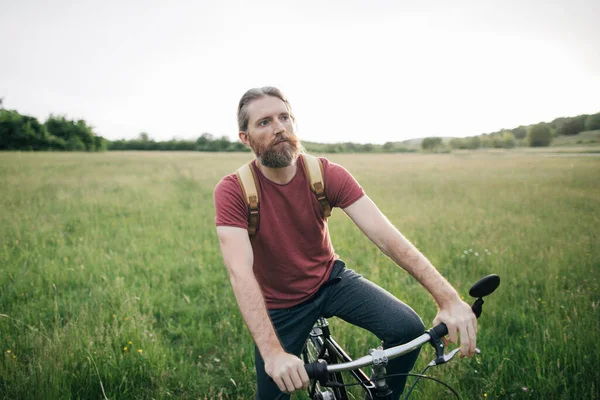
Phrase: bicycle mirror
pixel 485 286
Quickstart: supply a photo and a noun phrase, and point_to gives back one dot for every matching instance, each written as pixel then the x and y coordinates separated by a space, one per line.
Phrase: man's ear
pixel 244 138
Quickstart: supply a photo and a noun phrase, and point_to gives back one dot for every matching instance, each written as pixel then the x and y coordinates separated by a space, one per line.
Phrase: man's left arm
pixel 455 313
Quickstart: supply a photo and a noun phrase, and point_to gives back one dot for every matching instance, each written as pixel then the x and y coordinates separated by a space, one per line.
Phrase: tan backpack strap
pixel 316 177
pixel 249 185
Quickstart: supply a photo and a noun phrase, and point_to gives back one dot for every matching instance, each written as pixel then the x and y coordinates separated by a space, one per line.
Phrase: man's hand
pixel 460 320
pixel 287 371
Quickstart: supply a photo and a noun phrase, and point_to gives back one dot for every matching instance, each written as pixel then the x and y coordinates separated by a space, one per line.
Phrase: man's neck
pixel 281 176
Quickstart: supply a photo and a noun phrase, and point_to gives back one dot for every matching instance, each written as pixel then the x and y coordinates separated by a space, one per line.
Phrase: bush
pixel 539 135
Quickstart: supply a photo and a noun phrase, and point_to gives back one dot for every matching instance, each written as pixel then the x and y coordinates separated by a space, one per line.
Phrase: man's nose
pixel 278 127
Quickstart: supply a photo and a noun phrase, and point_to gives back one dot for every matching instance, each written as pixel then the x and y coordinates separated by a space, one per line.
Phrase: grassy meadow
pixel 112 285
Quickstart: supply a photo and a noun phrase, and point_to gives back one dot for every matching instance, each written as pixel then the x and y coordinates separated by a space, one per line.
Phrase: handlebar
pixel 320 370
pixel 484 287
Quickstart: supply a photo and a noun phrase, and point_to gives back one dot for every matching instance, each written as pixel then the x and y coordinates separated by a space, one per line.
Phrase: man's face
pixel 271 132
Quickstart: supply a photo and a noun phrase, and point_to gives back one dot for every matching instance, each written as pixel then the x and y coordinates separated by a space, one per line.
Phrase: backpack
pixel 249 183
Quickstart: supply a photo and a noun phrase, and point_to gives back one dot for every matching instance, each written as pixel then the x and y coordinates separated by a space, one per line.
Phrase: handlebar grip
pixel 317 370
pixel 442 330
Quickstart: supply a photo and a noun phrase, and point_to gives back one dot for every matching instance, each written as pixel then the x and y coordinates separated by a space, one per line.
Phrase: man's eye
pixel 264 122
pixel 285 117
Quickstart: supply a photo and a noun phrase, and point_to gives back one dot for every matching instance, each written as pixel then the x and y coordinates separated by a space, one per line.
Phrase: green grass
pixel 99 250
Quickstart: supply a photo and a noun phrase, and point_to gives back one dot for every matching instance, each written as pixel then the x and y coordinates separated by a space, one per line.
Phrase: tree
pixel 431 143
pixel 487 141
pixel 101 144
pixel 239 146
pixel 222 144
pixel 74 143
pixel 571 126
pixel 520 132
pixel 557 124
pixel 332 148
pixel 459 143
pixel 539 135
pixel 508 140
pixel 76 134
pixel 496 142
pixel 388 147
pixel 204 141
pixel 592 122
pixel 473 143
pixel 22 132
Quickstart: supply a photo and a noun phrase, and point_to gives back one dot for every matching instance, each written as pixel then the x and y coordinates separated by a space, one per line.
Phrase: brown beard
pixel 274 155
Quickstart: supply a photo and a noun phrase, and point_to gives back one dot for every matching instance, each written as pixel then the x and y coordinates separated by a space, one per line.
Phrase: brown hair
pixel 254 94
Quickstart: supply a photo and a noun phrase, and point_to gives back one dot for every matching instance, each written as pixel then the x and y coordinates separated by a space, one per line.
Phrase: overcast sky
pixel 362 71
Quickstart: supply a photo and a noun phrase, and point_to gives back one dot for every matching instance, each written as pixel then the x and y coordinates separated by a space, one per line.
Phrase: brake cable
pixel 417 380
pixel 418 376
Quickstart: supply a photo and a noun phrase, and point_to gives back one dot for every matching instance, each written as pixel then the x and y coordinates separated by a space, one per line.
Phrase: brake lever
pixel 447 357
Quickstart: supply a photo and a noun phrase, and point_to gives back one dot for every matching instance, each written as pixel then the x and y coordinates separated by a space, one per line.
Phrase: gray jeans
pixel 357 301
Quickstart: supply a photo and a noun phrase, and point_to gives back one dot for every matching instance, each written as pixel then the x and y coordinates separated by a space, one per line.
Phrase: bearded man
pixel 288 275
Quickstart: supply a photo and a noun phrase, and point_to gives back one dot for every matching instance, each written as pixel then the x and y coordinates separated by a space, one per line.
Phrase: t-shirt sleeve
pixel 340 186
pixel 230 207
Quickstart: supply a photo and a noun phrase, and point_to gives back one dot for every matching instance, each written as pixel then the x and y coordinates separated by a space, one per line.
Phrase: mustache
pixel 289 139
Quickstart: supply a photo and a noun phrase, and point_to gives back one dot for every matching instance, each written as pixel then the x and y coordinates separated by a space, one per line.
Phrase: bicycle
pixel 325 359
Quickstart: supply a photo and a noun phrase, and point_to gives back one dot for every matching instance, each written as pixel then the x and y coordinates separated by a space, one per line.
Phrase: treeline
pixel 349 147
pixel 22 132
pixel 537 135
pixel 206 142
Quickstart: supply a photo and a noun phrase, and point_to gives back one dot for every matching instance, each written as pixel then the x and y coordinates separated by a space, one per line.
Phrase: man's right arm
pixel 286 369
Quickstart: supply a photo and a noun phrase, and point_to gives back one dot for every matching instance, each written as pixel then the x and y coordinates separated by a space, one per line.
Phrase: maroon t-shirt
pixel 293 254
